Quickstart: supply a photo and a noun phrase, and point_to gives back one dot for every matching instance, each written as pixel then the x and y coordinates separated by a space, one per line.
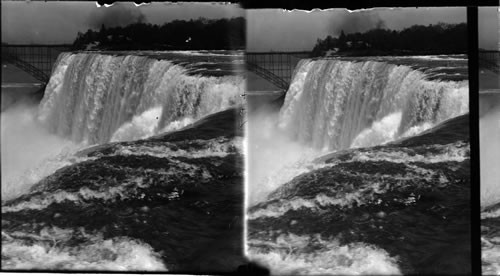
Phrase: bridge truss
pixel 37 60
pixel 275 67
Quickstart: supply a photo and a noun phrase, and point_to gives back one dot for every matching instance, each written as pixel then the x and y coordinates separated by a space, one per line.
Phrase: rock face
pixel 171 202
pixel 403 207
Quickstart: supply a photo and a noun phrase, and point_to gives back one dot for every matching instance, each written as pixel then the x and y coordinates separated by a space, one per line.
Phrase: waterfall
pixel 336 104
pixel 95 98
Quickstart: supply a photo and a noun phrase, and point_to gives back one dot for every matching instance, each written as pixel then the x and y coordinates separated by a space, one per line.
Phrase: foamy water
pixel 371 185
pixel 489 145
pixel 96 253
pixel 29 151
pixel 333 104
pixel 327 109
pixel 126 188
pixel 489 138
pixel 141 126
pixel 96 98
pixel 330 106
pixel 93 99
pixel 313 255
pixel 273 157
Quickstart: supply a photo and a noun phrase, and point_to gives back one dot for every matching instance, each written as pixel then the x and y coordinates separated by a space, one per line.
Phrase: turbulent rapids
pixel 163 195
pixel 380 179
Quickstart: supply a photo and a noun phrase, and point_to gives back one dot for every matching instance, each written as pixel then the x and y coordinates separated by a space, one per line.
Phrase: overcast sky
pixel 25 22
pixel 489 27
pixel 279 30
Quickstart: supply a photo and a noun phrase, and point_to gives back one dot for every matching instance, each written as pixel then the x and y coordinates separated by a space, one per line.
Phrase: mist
pixel 28 151
pixel 273 157
pixel 489 137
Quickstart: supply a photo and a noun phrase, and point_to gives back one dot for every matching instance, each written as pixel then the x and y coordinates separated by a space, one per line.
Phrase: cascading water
pixel 334 104
pixel 94 98
pixel 329 195
pixel 91 96
pixel 110 206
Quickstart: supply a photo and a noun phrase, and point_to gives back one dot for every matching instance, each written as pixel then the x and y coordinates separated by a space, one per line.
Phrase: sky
pixel 280 30
pixel 489 28
pixel 59 22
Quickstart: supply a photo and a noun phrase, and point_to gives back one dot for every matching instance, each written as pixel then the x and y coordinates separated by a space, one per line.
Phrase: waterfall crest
pixel 336 104
pixel 90 96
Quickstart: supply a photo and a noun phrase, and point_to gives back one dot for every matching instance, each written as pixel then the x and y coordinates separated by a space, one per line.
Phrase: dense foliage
pixel 440 38
pixel 197 34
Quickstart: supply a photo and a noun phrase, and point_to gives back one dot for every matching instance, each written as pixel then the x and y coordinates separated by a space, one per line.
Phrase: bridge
pixel 489 60
pixel 275 67
pixel 36 60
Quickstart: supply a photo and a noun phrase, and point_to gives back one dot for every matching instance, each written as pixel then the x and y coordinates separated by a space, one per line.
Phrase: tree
pixel 418 39
pixel 342 40
pixel 199 34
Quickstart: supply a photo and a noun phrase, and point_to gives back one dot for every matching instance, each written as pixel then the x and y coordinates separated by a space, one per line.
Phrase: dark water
pixel 371 171
pixel 171 202
pixel 490 240
pixel 402 207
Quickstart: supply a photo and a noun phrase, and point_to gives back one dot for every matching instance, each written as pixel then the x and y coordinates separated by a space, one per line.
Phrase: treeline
pixel 200 34
pixel 440 38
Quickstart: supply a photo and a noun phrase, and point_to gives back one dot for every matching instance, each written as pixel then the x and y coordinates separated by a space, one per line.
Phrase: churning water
pixel 489 134
pixel 131 161
pixel 365 168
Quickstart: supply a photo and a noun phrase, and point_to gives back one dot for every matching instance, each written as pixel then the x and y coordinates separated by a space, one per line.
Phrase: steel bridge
pixel 489 60
pixel 36 60
pixel 276 67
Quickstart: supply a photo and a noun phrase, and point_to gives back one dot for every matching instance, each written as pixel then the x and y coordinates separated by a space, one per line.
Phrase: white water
pixel 273 157
pixel 141 126
pixel 29 152
pixel 292 255
pixel 489 145
pixel 96 253
pixel 489 138
pixel 333 105
pixel 370 185
pixel 95 98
